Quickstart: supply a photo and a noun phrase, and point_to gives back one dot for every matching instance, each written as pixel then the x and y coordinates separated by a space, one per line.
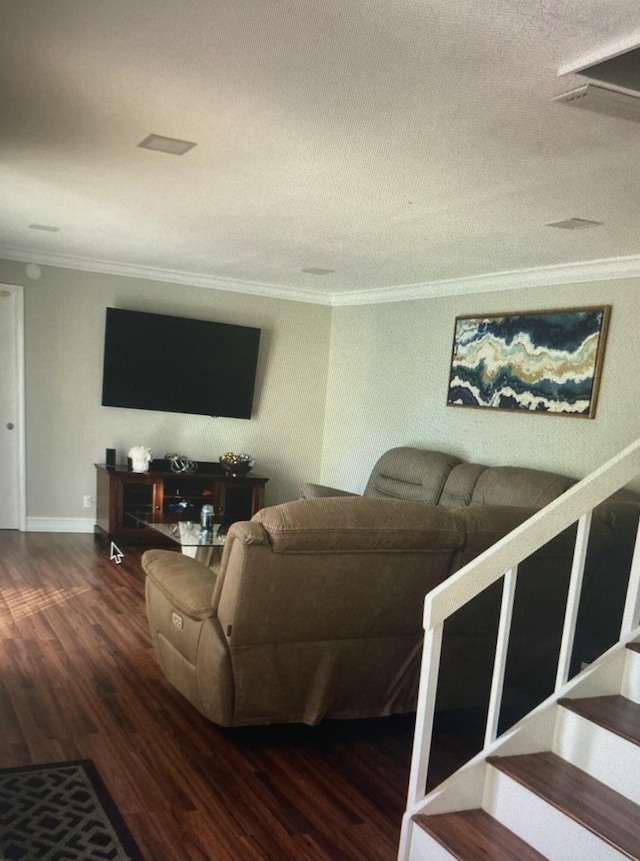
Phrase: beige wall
pixel 388 376
pixel 68 429
pixel 383 368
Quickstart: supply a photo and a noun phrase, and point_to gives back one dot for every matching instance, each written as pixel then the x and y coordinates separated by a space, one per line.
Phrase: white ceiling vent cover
pixel 160 143
pixel 621 69
pixel 603 100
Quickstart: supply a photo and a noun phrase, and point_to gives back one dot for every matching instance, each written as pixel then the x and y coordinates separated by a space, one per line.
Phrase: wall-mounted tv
pixel 178 365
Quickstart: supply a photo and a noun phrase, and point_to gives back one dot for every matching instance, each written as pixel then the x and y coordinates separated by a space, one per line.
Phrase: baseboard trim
pixel 60 524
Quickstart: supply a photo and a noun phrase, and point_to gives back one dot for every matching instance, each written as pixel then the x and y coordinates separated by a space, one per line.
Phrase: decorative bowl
pixel 237 464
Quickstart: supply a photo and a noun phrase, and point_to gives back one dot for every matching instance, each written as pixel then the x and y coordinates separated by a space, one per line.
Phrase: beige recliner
pixel 314 611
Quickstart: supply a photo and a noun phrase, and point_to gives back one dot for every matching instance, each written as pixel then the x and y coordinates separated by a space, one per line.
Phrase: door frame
pixel 21 489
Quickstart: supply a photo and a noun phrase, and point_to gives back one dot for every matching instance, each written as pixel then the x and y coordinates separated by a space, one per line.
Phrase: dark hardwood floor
pixel 79 679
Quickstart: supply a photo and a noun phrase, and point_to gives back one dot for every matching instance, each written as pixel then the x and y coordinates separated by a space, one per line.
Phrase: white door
pixel 12 484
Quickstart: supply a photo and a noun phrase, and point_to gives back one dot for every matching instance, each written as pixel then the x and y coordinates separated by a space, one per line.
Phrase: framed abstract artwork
pixel 537 361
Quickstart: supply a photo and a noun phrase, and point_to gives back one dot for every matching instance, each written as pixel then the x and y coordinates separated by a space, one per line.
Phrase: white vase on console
pixel 140 458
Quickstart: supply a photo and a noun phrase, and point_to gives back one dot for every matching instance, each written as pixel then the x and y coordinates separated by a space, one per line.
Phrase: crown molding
pixel 152 273
pixel 609 269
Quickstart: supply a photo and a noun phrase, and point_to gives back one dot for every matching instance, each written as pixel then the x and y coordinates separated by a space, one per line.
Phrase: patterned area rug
pixel 61 811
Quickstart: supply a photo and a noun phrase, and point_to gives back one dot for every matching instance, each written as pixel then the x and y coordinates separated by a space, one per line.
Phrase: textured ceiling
pixel 395 142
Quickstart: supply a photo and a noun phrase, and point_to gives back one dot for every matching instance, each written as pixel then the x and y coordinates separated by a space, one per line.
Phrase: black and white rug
pixel 61 811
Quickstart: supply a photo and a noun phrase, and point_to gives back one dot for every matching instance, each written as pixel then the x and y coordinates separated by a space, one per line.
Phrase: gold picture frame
pixel 547 362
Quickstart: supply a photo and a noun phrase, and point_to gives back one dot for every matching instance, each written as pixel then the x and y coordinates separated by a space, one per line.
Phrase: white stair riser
pixel 531 818
pixel 556 836
pixel 602 754
pixel 424 848
pixel 630 687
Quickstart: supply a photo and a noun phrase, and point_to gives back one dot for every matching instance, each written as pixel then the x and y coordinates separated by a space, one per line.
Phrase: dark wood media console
pixel 123 496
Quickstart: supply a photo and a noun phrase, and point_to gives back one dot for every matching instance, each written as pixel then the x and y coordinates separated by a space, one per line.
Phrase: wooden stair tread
pixel 474 835
pixel 634 646
pixel 614 713
pixel 601 810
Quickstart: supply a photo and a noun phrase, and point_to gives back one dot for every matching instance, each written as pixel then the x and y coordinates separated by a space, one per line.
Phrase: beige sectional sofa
pixel 315 609
pixel 439 478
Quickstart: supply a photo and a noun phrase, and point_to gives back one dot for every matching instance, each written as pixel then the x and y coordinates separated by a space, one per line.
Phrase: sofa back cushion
pixel 335 569
pixel 411 474
pixel 518 486
pixel 357 524
pixel 460 484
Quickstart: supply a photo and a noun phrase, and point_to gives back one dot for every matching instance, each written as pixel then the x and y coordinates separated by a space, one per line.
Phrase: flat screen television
pixel 178 365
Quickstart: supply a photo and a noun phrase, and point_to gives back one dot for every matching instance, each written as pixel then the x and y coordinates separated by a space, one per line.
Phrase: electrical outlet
pixel 86 501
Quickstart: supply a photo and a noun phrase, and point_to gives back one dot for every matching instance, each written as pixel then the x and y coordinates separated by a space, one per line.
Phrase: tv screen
pixel 178 365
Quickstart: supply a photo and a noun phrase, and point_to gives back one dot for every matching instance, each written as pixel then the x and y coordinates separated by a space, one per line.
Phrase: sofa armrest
pixel 185 582
pixel 316 491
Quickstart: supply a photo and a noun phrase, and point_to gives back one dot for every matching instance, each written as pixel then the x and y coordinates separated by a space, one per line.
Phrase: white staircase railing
pixel 502 561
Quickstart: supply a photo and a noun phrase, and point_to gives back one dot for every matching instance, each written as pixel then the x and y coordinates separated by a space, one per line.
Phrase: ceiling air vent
pixel 621 70
pixel 614 82
pixel 46 228
pixel 604 101
pixel 160 143
pixel 574 224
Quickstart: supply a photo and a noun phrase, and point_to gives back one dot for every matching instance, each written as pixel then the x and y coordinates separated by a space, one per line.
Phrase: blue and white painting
pixel 545 362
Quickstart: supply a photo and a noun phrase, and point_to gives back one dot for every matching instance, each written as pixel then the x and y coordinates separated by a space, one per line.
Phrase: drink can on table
pixel 206 517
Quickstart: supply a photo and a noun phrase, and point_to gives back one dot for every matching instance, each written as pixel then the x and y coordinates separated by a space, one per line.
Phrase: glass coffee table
pixel 203 545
